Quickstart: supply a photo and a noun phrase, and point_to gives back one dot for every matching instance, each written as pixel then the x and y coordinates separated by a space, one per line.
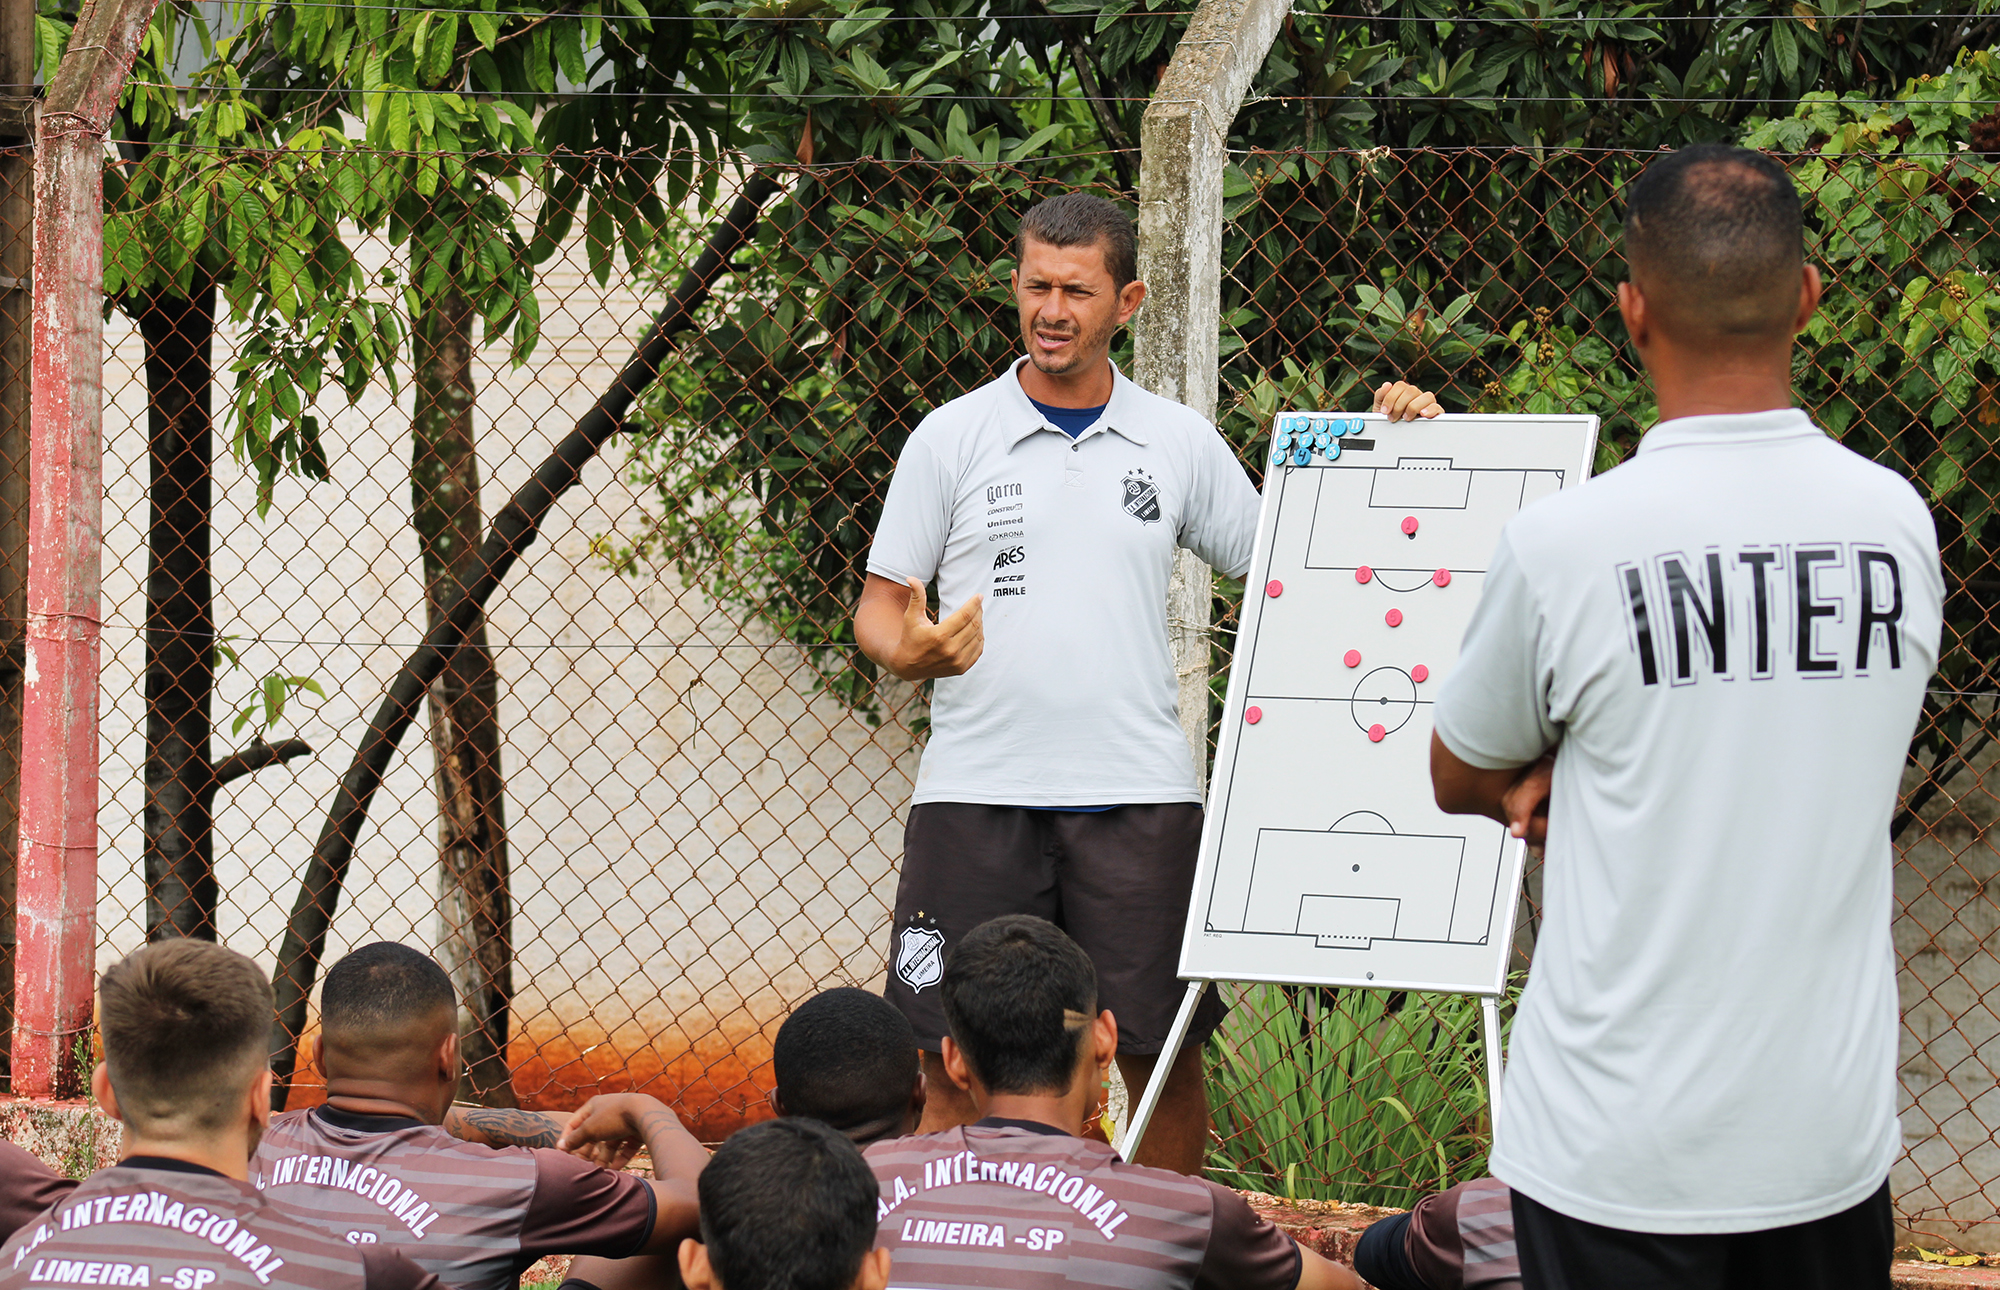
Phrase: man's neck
pixel 378 1101
pixel 228 1155
pixel 1697 386
pixel 1065 1113
pixel 1089 386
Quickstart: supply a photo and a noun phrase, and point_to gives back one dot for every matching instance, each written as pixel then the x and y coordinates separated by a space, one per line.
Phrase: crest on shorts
pixel 1142 497
pixel 920 956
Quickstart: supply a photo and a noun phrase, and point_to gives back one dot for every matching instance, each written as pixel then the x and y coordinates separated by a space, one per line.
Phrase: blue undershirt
pixel 1072 422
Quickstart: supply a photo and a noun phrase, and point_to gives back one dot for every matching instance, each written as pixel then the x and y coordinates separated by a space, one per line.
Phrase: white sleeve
pixel 1220 522
pixel 1493 710
pixel 916 517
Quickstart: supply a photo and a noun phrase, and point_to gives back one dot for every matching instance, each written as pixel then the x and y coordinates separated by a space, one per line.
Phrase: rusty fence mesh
pixel 663 802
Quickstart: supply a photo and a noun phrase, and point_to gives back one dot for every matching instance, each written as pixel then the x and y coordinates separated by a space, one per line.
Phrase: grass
pixel 1365 1096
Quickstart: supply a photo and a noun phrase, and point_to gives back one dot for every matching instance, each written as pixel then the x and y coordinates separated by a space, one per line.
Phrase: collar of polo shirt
pixel 1120 414
pixel 1729 427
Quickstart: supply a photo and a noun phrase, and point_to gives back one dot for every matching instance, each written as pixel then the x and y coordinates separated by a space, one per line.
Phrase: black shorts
pixel 1117 881
pixel 1845 1251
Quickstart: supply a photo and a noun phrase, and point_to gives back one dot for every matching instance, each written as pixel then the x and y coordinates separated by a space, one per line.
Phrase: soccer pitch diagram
pixel 1324 858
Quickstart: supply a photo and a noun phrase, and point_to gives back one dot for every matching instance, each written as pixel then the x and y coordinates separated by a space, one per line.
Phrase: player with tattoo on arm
pixel 1019 1198
pixel 374 1164
pixel 186 1029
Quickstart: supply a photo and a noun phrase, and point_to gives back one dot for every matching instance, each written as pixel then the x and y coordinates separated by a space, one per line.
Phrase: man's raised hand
pixel 1405 402
pixel 932 649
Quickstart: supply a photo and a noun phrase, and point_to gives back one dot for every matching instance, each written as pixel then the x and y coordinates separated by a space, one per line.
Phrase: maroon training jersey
pixel 27 1187
pixel 150 1222
pixel 477 1216
pixel 1463 1239
pixel 1023 1205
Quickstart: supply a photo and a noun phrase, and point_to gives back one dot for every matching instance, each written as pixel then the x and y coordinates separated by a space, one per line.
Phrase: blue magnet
pixel 1333 451
pixel 1322 439
pixel 1278 455
pixel 1301 455
pixel 1282 439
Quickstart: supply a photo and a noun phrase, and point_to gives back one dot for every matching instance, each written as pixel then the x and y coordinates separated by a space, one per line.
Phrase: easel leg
pixel 1489 1016
pixel 1150 1100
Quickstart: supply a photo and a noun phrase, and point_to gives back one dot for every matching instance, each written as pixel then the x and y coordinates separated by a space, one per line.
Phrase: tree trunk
pixel 17 200
pixel 181 890
pixel 475 911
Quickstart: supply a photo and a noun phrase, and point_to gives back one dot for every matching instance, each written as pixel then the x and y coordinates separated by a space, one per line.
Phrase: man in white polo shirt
pixel 1725 642
pixel 1048 505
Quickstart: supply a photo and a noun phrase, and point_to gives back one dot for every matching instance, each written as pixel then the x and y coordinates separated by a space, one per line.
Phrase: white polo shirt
pixel 1072 544
pixel 1730 635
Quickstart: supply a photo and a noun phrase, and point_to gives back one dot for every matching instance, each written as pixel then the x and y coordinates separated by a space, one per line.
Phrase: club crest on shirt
pixel 920 956
pixel 1142 497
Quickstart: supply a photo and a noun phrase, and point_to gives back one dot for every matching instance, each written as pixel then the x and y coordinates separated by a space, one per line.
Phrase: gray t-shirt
pixel 1730 636
pixel 1072 544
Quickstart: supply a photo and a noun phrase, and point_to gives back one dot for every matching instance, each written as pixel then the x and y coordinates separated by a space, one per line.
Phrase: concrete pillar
pixel 1182 148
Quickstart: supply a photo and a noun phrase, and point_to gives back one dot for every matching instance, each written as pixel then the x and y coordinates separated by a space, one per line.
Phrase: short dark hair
pixel 847 1058
pixel 383 986
pixel 1079 219
pixel 187 1028
pixel 787 1205
pixel 1720 229
pixel 1013 991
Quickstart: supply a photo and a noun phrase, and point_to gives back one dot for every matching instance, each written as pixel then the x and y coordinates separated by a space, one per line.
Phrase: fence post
pixel 1183 141
pixel 58 856
pixel 17 133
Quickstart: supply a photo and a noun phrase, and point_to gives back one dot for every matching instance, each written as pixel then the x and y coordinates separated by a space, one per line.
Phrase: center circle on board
pixel 1385 697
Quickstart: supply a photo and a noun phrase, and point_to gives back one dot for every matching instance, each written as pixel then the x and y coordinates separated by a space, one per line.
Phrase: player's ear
pixel 1104 1038
pixel 955 1064
pixel 920 1096
pixel 1809 293
pixel 319 1053
pixel 777 1103
pixel 1130 297
pixel 1632 305
pixel 696 1273
pixel 100 1088
pixel 874 1273
pixel 260 1103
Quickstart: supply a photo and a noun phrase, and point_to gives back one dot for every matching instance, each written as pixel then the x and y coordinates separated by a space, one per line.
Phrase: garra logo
pixel 920 955
pixel 1142 497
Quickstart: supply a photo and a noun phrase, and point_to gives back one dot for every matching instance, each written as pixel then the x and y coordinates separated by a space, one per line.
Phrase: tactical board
pixel 1324 857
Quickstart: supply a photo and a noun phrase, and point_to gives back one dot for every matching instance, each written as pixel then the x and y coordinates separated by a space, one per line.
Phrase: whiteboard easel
pixel 1324 859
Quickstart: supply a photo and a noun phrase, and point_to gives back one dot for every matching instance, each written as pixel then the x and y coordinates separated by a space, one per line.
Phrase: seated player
pixel 786 1205
pixel 27 1188
pixel 1461 1239
pixel 1018 1198
pixel 373 1165
pixel 849 1059
pixel 186 1027
pixel 846 1058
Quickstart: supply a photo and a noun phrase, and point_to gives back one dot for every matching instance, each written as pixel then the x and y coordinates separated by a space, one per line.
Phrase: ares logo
pixel 1142 497
pixel 1012 555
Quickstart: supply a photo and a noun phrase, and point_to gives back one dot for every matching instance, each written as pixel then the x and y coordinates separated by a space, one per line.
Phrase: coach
pixel 1048 504
pixel 1726 641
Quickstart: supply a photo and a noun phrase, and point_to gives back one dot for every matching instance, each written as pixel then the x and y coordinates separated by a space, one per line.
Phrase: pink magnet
pixel 1352 658
pixel 1442 577
pixel 1409 526
pixel 1253 715
pixel 1394 618
pixel 1363 574
pixel 1376 734
pixel 1420 674
pixel 1274 588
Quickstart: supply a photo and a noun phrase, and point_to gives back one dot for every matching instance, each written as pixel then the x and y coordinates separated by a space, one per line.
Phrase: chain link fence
pixel 663 803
